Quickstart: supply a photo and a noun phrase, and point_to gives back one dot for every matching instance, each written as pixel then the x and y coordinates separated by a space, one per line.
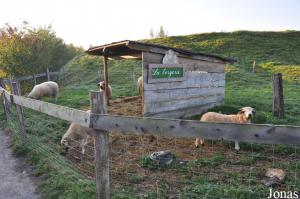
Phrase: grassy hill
pixel 272 52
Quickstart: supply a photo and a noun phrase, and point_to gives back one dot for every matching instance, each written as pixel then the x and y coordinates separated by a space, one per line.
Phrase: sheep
pixel 101 85
pixel 244 116
pixel 49 89
pixel 170 58
pixel 139 85
pixel 77 133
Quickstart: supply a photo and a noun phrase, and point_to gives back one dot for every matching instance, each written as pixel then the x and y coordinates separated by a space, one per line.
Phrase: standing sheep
pixel 101 85
pixel 244 116
pixel 49 89
pixel 139 85
pixel 77 133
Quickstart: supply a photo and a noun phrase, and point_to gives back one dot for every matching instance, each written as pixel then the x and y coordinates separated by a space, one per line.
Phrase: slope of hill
pixel 246 46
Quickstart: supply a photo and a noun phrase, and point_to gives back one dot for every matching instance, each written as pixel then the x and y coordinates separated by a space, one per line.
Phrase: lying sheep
pixel 139 85
pixel 49 89
pixel 77 133
pixel 244 116
pixel 101 85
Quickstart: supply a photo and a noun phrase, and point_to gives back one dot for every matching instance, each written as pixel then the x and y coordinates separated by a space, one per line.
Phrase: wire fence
pixel 214 170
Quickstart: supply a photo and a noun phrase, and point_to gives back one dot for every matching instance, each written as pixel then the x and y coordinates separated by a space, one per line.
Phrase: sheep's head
pixel 247 112
pixel 101 85
pixel 64 142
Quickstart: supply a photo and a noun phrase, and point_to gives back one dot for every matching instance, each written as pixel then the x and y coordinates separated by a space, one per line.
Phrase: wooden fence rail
pixel 33 77
pixel 255 133
pixel 103 123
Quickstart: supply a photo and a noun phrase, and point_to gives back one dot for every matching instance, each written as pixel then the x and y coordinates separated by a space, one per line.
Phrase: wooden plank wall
pixel 203 88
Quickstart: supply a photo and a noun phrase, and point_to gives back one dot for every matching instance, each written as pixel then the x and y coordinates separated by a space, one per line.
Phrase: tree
pixel 151 33
pixel 162 33
pixel 27 50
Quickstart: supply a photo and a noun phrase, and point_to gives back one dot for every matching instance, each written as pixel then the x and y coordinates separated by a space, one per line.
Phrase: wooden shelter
pixel 189 86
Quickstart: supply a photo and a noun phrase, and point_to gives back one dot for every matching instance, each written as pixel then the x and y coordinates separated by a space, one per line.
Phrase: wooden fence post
pixel 133 84
pixel 253 66
pixel 101 137
pixel 64 76
pixel 48 74
pixel 18 87
pixel 11 86
pixel 20 113
pixel 105 71
pixel 4 102
pixel 34 79
pixel 278 103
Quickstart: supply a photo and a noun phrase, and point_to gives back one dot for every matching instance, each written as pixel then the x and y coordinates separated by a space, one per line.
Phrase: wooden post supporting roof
pixel 105 58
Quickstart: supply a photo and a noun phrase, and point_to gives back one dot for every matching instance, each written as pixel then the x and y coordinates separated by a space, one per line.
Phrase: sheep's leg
pixel 82 144
pixel 55 97
pixel 199 142
pixel 237 146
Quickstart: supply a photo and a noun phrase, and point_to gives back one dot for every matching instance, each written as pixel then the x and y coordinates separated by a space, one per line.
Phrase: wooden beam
pixel 34 79
pixel 158 50
pixel 4 104
pixel 278 102
pixel 253 133
pixel 48 74
pixel 61 112
pixel 146 59
pixel 105 69
pixel 20 115
pixel 98 106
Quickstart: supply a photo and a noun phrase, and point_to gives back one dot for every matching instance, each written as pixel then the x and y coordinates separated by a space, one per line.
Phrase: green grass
pixel 273 52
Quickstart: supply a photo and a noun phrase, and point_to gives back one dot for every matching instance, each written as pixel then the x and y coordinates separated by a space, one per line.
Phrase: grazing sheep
pixel 49 89
pixel 77 133
pixel 244 116
pixel 140 85
pixel 101 85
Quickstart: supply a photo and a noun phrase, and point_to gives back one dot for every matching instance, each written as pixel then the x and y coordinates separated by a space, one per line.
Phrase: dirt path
pixel 16 182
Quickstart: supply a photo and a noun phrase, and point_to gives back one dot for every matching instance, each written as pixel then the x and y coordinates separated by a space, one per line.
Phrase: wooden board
pixel 182 93
pixel 193 80
pixel 162 51
pixel 163 106
pixel 101 138
pixel 185 112
pixel 253 133
pixel 158 73
pixel 65 113
pixel 199 89
pixel 199 65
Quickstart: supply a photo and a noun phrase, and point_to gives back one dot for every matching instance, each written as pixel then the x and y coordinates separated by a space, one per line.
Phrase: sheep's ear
pixel 254 111
pixel 242 111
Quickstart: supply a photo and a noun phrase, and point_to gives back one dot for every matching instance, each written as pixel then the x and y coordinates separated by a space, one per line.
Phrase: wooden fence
pixel 103 123
pixel 17 81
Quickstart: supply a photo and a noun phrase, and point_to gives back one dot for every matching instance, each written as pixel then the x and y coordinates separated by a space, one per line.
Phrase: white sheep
pixel 170 58
pixel 49 89
pixel 139 85
pixel 78 133
pixel 244 116
pixel 101 85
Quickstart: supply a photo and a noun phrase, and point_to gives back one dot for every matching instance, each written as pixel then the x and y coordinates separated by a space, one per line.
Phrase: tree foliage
pixel 27 50
pixel 160 34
